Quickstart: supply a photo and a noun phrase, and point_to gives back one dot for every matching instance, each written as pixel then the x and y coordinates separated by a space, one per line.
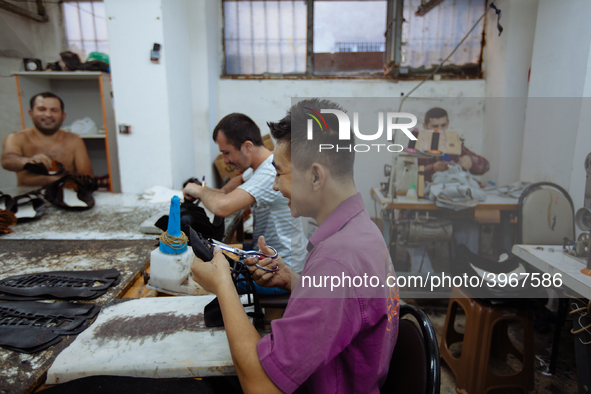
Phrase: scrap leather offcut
pixel 82 185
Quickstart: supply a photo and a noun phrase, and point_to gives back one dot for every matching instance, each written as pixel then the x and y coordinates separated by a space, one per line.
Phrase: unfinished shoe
pixel 71 192
pixel 56 168
pixel 6 202
pixel 194 216
pixel 28 206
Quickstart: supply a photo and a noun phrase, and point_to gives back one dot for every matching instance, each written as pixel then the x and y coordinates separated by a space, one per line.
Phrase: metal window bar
pixel 96 19
pixel 262 36
pixel 360 46
pixel 426 39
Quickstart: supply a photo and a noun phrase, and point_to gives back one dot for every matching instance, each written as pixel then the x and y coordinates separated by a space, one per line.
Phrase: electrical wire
pixel 500 28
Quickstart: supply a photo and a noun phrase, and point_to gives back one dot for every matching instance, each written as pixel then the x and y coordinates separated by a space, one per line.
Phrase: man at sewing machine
pixel 327 341
pixel 240 142
pixel 437 118
pixel 45 145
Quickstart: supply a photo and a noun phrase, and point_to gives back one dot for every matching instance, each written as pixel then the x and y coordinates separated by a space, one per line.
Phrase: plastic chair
pixel 413 371
pixel 486 334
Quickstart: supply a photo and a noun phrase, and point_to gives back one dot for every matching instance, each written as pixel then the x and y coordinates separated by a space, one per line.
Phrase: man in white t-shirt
pixel 239 140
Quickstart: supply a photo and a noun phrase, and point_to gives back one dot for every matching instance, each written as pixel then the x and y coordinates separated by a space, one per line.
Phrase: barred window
pixel 86 26
pixel 352 37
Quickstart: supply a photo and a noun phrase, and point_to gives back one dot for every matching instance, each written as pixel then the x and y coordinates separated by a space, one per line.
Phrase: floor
pixel 564 381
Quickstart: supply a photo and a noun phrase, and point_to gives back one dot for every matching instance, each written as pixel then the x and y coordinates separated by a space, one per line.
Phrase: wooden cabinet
pixel 85 94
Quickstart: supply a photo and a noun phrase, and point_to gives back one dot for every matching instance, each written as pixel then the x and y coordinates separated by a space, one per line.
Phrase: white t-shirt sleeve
pixel 260 184
pixel 246 175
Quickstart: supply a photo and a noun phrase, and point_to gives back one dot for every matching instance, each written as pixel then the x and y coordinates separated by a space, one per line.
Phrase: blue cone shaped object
pixel 174 227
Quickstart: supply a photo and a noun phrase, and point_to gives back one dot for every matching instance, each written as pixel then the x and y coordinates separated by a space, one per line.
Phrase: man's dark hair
pixel 435 113
pixel 238 128
pixel 46 95
pixel 292 130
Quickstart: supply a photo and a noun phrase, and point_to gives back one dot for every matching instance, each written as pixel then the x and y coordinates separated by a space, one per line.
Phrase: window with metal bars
pixel 86 26
pixel 350 38
pixel 360 46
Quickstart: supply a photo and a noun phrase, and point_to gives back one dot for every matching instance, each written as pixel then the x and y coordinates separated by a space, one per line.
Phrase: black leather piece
pixel 27 339
pixel 194 216
pixel 40 169
pixel 58 284
pixel 130 385
pixel 7 200
pixel 212 314
pixel 466 257
pixel 516 294
pixel 85 186
pixel 201 248
pixel 55 309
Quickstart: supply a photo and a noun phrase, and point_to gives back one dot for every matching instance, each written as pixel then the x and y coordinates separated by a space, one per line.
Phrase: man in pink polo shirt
pixel 341 323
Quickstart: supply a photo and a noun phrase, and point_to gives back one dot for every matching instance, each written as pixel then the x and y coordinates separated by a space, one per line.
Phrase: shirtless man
pixel 43 143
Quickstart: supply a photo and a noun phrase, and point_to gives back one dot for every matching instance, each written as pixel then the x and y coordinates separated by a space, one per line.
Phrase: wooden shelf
pixel 61 74
pixel 92 136
pixel 85 94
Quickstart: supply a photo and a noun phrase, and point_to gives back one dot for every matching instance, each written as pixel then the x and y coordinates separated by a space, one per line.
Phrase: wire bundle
pixel 175 243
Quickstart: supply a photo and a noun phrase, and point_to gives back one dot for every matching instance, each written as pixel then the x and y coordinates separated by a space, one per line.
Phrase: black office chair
pixel 413 371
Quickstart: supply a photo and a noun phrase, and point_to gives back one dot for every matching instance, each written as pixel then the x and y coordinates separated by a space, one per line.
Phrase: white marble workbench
pixel 114 216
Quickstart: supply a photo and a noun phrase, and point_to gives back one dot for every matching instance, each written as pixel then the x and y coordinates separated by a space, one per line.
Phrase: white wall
pixel 176 40
pixel 21 37
pixel 507 59
pixel 140 93
pixel 204 50
pixel 155 98
pixel 557 138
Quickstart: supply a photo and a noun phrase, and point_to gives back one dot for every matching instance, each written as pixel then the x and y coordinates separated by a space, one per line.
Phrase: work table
pixel 106 236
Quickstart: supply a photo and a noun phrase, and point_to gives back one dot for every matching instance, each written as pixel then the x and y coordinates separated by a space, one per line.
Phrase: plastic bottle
pixel 411 194
pixel 170 267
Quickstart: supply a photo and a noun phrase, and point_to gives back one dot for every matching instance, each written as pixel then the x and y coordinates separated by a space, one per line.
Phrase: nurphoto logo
pixel 345 129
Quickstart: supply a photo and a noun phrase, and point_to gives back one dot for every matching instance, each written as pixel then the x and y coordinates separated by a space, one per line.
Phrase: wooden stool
pixel 485 334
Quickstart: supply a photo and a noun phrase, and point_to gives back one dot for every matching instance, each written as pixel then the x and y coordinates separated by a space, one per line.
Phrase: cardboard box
pixel 225 170
pixel 268 142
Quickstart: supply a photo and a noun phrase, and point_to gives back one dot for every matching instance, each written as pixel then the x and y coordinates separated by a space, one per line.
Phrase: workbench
pixel 114 216
pixel 551 259
pixel 494 203
pixel 22 373
pixel 106 236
